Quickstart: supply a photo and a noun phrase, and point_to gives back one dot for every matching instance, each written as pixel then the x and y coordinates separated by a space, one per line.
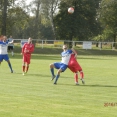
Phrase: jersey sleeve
pixel 70 51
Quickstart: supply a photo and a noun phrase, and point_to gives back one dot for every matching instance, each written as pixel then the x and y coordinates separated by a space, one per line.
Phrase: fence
pixel 76 44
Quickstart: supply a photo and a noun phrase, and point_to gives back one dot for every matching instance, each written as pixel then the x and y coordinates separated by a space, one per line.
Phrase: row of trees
pixel 49 19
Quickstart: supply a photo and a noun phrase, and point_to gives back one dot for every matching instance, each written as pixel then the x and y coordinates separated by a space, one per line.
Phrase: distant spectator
pixel 11 45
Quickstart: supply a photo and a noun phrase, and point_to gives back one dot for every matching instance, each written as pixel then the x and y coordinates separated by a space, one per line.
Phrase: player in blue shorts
pixel 61 66
pixel 3 51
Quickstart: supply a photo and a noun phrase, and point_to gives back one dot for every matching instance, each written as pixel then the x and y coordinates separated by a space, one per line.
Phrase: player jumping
pixel 61 66
pixel 27 49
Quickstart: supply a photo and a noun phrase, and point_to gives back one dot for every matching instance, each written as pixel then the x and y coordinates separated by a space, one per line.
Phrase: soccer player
pixel 27 50
pixel 3 51
pixel 11 45
pixel 61 66
pixel 75 68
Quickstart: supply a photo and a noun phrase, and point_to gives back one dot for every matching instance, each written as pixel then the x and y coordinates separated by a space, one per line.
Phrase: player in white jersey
pixel 61 66
pixel 3 51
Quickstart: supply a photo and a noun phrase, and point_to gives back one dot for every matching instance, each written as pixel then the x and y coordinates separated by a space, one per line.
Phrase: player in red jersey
pixel 75 68
pixel 27 49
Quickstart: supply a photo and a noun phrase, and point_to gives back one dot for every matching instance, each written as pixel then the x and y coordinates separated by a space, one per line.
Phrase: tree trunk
pixel 114 39
pixel 52 21
pixel 4 17
pixel 70 43
pixel 37 20
pixel 53 27
pixel 53 7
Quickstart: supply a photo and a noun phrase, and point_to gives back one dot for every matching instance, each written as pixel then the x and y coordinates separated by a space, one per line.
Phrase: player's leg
pixel 1 59
pixel 6 58
pixel 23 64
pixel 76 78
pixel 57 76
pixel 12 53
pixel 82 76
pixel 62 67
pixel 52 70
pixel 27 61
pixel 27 67
pixel 0 62
pixel 8 48
pixel 23 68
pixel 77 67
pixel 10 66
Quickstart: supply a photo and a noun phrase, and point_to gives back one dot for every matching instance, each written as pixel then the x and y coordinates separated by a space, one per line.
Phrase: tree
pixel 17 22
pixel 4 4
pixel 107 17
pixel 4 16
pixel 50 8
pixel 80 25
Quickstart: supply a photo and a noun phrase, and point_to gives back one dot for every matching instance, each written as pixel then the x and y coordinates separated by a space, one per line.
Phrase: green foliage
pixel 107 17
pixel 81 24
pixel 17 21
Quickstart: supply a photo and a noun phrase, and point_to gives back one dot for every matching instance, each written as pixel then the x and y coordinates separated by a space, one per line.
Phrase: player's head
pixel 29 40
pixel 4 38
pixel 64 47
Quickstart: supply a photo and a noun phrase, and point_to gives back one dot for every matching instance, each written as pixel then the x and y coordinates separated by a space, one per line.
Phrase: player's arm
pixel 23 47
pixel 11 42
pixel 74 52
pixel 32 49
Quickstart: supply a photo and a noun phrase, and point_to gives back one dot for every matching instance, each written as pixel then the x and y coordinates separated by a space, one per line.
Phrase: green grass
pixel 34 95
pixel 54 51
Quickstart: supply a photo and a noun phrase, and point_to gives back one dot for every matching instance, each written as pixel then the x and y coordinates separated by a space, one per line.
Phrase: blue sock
pixel 10 67
pixel 52 71
pixel 57 76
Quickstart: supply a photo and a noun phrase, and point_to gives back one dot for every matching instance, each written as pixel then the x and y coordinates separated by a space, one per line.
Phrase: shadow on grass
pixel 57 57
pixel 82 85
pixel 36 75
pixel 98 85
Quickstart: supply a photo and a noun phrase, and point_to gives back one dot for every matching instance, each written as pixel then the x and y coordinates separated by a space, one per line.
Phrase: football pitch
pixel 35 95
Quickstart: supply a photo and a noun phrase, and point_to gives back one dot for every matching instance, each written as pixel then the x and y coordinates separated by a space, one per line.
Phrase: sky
pixel 28 1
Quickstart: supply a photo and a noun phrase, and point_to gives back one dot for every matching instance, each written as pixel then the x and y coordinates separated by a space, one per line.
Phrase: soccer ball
pixel 71 10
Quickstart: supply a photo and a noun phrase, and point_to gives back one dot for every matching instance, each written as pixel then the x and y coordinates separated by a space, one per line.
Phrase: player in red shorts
pixel 75 68
pixel 27 49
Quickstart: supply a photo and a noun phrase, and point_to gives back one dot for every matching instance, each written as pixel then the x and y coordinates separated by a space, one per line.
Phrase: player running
pixel 27 50
pixel 75 68
pixel 61 66
pixel 3 51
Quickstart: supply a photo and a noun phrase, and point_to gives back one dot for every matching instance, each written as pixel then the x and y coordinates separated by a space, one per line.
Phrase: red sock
pixel 27 68
pixel 76 77
pixel 23 68
pixel 81 74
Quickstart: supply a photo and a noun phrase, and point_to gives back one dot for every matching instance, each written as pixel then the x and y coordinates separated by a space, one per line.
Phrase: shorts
pixel 74 66
pixel 26 58
pixel 61 66
pixel 4 57
pixel 10 47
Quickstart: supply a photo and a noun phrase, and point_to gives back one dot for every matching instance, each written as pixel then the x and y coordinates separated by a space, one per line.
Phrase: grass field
pixel 34 95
